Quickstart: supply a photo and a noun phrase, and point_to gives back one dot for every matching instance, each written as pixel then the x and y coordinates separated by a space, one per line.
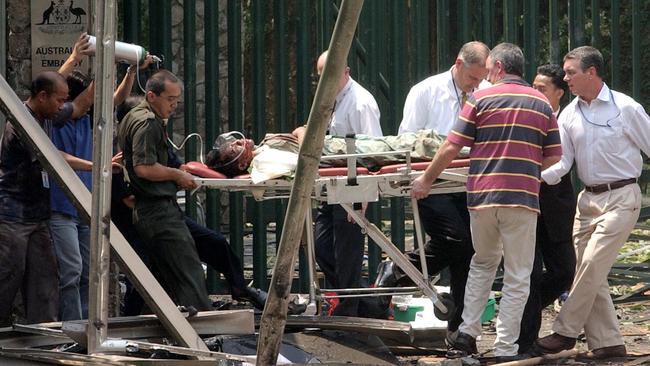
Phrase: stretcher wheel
pixel 448 302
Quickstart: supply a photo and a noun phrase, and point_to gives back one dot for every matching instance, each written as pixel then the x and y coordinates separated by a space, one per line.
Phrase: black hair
pixel 126 106
pixel 77 83
pixel 556 73
pixel 156 82
pixel 46 81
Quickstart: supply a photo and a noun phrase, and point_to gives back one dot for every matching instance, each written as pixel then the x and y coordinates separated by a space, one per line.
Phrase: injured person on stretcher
pixel 277 154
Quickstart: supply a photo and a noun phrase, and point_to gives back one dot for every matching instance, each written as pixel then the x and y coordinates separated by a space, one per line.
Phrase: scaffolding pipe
pixel 100 218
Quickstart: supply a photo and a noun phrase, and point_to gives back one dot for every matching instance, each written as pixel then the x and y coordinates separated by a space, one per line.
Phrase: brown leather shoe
pixel 554 343
pixel 603 353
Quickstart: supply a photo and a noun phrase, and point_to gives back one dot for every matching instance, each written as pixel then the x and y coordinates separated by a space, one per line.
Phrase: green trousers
pixel 172 252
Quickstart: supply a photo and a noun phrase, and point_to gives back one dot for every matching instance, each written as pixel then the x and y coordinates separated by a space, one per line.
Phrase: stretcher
pixel 350 187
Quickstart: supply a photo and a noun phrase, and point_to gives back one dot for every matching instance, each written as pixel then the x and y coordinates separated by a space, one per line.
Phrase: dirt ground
pixel 635 326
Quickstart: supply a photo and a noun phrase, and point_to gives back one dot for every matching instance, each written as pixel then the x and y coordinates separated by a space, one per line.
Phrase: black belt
pixel 600 188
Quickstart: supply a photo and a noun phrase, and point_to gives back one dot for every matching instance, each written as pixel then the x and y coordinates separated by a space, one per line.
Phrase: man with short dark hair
pixel 512 134
pixel 554 247
pixel 157 217
pixel 603 132
pixel 27 258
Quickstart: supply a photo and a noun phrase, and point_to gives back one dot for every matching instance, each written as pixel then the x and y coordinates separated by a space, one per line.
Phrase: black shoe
pixel 253 295
pixel 296 309
pixel 464 345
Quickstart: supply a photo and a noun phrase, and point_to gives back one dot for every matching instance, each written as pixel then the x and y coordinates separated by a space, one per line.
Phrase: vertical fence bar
pixel 554 31
pixel 596 38
pixel 235 117
pixel 303 84
pixel 615 43
pixel 132 13
pixel 280 89
pixel 160 37
pixel 636 50
pixel 487 28
pixel 3 48
pixel 423 41
pixel 189 104
pixel 396 99
pixel 303 64
pixel 510 21
pixel 326 23
pixel 465 24
pixel 442 34
pixel 212 117
pixel 259 129
pixel 530 38
pixel 576 23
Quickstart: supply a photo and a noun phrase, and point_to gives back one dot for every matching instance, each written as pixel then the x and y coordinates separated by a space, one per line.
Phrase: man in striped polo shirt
pixel 513 136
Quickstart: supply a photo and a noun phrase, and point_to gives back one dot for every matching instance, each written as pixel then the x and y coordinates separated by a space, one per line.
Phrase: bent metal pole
pixel 275 312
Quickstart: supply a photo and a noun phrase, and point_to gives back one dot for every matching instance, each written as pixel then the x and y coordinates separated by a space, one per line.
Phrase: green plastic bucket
pixel 488 313
pixel 406 313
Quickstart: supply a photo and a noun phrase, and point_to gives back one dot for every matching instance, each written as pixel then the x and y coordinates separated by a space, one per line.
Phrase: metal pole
pixel 100 218
pixel 189 104
pixel 275 311
pixel 212 110
pixel 259 130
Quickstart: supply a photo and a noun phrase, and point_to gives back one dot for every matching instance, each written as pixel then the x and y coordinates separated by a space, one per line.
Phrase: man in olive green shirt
pixel 157 217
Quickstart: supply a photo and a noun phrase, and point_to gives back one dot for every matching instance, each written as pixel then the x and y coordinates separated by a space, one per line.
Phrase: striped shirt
pixel 510 128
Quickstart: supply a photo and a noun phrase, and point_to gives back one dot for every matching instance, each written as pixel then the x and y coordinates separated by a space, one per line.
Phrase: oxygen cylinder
pixel 124 52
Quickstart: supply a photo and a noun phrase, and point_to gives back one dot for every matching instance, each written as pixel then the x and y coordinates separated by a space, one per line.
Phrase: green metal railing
pixel 397 44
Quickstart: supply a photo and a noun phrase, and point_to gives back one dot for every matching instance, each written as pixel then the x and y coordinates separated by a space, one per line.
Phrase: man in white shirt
pixel 435 103
pixel 603 131
pixel 554 243
pixel 339 242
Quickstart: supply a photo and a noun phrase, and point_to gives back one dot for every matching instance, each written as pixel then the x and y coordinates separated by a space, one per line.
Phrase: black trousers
pixel 215 251
pixel 339 247
pixel 554 252
pixel 28 264
pixel 172 253
pixel 446 220
pixel 212 248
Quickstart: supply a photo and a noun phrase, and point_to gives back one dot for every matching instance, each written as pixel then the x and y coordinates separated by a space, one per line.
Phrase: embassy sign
pixel 55 26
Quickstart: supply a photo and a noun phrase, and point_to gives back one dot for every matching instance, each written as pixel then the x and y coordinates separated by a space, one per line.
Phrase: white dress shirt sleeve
pixel 366 120
pixel 415 113
pixel 637 128
pixel 554 173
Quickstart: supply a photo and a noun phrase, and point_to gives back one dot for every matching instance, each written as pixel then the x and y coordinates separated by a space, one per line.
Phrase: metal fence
pixel 273 45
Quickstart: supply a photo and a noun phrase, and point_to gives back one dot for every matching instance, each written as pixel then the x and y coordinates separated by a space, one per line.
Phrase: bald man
pixel 435 103
pixel 339 242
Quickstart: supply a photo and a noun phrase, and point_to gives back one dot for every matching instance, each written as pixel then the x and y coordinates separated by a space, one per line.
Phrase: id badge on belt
pixel 45 178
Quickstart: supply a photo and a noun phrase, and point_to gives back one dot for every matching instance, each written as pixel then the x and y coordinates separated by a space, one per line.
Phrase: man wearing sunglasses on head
pixel 603 131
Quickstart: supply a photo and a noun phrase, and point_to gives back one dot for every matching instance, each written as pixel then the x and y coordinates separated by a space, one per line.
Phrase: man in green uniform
pixel 157 217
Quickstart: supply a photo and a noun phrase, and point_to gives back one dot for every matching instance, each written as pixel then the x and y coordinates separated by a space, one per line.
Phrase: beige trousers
pixel 602 224
pixel 497 233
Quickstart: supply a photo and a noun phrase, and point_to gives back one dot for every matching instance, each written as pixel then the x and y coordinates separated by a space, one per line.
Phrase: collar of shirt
pixel 344 91
pixel 512 80
pixel 453 87
pixel 603 96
